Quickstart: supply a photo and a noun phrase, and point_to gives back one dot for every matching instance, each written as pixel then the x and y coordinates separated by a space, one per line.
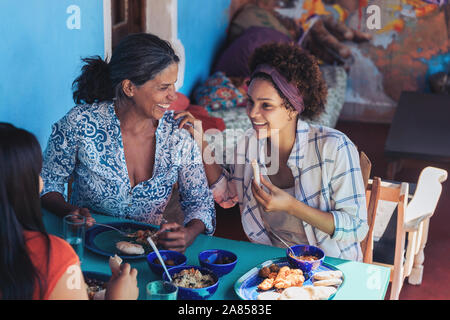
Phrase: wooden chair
pixel 413 219
pixel 372 192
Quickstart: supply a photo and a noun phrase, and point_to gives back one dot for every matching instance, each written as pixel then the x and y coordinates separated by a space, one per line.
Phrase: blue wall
pixel 202 26
pixel 40 57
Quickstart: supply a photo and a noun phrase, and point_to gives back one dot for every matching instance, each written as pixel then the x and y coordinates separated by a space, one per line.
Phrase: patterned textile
pixel 218 92
pixel 87 144
pixel 327 174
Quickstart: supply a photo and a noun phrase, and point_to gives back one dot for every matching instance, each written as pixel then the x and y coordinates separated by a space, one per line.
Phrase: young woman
pixel 311 190
pixel 34 264
pixel 123 148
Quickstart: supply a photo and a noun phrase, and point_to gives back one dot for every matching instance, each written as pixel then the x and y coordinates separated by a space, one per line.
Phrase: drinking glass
pixel 74 227
pixel 161 290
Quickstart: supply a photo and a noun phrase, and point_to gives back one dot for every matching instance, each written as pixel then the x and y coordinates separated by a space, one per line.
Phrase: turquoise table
pixel 362 281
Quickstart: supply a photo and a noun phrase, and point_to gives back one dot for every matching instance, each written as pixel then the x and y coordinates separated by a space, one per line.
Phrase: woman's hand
pixel 85 213
pixel 172 236
pixel 191 124
pixel 123 286
pixel 276 200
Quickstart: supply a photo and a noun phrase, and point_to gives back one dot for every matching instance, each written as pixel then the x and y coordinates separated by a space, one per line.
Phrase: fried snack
pixel 289 278
pixel 274 268
pixel 264 272
pixel 267 284
pixel 130 248
pixel 326 275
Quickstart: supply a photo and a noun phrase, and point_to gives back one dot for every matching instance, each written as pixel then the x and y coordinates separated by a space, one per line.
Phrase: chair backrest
pixel 366 167
pixel 373 191
pixel 426 196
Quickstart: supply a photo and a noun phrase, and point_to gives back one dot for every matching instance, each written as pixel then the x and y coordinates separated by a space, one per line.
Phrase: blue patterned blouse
pixel 87 143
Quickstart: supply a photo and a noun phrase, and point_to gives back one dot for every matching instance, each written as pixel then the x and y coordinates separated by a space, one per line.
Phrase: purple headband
pixel 289 90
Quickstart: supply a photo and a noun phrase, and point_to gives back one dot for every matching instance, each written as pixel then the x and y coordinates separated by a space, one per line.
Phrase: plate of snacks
pixel 132 244
pixel 277 280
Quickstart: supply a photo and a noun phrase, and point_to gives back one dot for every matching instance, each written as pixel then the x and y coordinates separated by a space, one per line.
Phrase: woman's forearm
pixel 212 169
pixel 55 202
pixel 319 219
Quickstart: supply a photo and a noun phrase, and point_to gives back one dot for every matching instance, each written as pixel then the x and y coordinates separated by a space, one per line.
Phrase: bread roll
pixel 326 275
pixel 130 248
pixel 328 282
pixel 270 295
pixel 297 293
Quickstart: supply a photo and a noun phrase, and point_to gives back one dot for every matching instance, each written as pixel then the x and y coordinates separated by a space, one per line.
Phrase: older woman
pixel 311 188
pixel 123 148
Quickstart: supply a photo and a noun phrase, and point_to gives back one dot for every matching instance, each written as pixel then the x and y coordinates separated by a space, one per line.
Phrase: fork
pixel 108 226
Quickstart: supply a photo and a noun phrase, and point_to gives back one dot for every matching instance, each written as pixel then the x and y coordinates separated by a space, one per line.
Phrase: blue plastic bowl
pixel 179 259
pixel 306 266
pixel 194 294
pixel 209 258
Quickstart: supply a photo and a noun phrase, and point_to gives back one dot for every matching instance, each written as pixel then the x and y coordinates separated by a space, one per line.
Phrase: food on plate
pixel 269 295
pixel 285 278
pixel 288 277
pixel 96 289
pixel 297 293
pixel 322 293
pixel 114 264
pixel 256 172
pixel 305 257
pixel 267 284
pixel 328 282
pixel 168 262
pixel 265 272
pixel 307 293
pixel 142 235
pixel 192 278
pixel 130 248
pixel 326 275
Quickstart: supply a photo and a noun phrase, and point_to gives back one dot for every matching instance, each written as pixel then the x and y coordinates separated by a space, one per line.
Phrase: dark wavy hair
pixel 298 67
pixel 139 57
pixel 20 209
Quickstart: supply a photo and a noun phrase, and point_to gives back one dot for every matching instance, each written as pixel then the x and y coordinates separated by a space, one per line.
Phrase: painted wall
pixel 202 27
pixel 40 57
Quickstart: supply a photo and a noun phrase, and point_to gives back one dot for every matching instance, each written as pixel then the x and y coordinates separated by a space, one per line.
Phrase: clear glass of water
pixel 161 290
pixel 74 227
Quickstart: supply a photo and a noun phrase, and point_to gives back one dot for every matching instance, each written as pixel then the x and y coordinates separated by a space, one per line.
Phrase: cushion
pixel 208 122
pixel 181 104
pixel 218 92
pixel 234 60
pixel 254 16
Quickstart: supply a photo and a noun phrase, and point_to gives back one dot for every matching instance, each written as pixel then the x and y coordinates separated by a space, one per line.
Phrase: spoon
pixel 159 257
pixel 288 246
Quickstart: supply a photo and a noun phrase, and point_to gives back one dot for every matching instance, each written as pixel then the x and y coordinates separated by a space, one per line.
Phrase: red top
pixel 61 257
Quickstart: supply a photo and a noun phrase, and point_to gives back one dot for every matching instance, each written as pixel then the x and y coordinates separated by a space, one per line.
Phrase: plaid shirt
pixel 327 174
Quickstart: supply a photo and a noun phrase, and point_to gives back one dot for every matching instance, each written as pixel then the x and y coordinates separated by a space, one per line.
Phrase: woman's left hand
pixel 276 200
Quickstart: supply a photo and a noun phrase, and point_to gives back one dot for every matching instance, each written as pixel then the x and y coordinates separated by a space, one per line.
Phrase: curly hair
pixel 299 68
